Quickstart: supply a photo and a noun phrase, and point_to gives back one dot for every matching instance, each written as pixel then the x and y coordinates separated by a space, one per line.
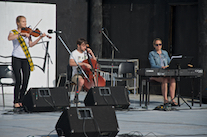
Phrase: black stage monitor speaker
pixel 94 121
pixel 204 97
pixel 46 99
pixel 108 96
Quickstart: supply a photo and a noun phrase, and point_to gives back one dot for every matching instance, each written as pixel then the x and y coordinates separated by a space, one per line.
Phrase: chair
pixel 126 72
pixel 6 79
pixel 62 80
pixel 146 82
pixel 66 77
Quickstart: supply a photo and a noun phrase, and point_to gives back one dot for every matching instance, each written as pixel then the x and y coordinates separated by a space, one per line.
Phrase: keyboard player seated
pixel 159 58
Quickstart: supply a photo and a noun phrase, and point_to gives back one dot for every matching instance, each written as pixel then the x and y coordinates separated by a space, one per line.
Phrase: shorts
pixel 74 78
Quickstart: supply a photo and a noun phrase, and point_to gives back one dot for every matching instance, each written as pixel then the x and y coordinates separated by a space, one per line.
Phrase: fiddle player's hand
pixel 25 34
pixel 43 35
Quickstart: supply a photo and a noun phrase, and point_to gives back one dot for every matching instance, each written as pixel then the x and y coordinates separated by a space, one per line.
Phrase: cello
pixel 95 79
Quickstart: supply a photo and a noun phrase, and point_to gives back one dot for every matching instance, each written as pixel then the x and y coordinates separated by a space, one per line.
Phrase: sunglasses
pixel 158 44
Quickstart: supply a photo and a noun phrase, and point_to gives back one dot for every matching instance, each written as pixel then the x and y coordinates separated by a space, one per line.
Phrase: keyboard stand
pixel 178 89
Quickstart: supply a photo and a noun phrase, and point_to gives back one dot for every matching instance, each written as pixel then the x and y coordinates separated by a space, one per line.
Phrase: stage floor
pixel 137 120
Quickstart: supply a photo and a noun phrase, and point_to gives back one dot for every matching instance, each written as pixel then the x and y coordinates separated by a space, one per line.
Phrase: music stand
pixel 180 63
pixel 46 59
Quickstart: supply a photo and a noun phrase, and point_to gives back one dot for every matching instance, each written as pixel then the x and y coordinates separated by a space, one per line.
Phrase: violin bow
pixel 37 24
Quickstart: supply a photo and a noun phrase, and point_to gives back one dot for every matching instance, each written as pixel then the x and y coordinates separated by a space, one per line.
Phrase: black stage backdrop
pixel 132 25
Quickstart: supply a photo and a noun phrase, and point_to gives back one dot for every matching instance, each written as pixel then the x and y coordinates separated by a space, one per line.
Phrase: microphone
pixel 51 31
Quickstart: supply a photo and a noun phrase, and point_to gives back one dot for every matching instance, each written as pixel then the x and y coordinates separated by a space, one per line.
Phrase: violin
pixel 95 79
pixel 34 33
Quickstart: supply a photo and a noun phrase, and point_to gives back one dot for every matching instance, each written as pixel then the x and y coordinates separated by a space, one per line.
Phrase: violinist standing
pixel 21 60
pixel 79 55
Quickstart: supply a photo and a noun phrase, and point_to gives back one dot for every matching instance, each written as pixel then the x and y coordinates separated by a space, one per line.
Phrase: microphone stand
pixel 112 54
pixel 74 60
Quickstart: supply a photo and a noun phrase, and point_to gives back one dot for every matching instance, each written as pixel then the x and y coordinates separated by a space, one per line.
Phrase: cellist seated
pixel 79 55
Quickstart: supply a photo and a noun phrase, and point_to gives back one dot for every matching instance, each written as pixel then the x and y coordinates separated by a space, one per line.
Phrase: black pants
pixel 21 70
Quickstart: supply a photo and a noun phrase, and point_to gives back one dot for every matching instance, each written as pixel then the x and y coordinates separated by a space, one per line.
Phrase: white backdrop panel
pixel 33 12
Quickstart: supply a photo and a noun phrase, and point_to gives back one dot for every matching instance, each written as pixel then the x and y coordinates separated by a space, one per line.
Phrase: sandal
pixel 16 105
pixel 166 102
pixel 20 104
pixel 174 104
